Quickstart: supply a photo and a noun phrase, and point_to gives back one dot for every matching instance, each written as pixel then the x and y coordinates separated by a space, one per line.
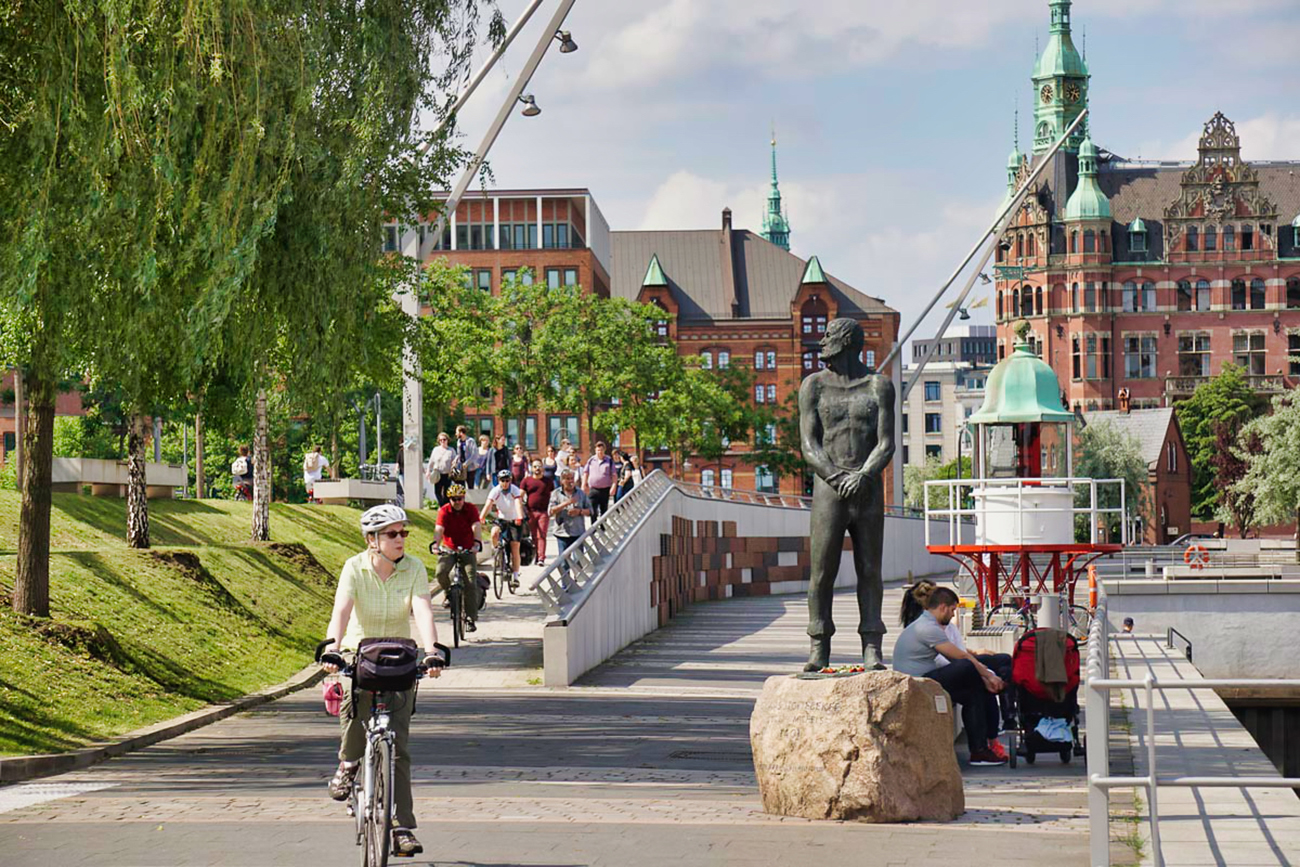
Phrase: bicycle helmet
pixel 376 518
pixel 456 490
pixel 505 476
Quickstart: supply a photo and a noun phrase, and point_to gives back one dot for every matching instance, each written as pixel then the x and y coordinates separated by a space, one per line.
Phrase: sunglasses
pixel 456 499
pixel 393 534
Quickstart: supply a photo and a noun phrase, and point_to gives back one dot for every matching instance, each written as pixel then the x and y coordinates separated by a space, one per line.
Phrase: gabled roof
pixel 766 277
pixel 813 273
pixel 654 274
pixel 1148 426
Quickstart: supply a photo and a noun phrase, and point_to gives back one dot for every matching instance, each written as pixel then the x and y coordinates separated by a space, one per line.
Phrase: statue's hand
pixel 850 484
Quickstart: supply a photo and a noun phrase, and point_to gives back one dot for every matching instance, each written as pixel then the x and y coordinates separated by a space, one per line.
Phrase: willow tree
pixel 143 155
pixel 321 297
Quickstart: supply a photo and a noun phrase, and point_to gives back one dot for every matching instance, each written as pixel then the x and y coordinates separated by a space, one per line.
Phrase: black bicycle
pixel 502 569
pixel 456 590
pixel 371 801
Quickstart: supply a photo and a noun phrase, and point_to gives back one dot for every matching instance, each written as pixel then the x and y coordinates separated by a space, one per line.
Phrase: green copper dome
pixel 1060 58
pixel 1137 225
pixel 1295 224
pixel 1087 202
pixel 1021 388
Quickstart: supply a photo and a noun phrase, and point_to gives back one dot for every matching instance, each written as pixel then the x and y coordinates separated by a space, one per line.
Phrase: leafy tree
pixel 1271 477
pixel 1230 463
pixel 642 381
pixel 915 477
pixel 1226 399
pixel 1105 451
pixel 777 441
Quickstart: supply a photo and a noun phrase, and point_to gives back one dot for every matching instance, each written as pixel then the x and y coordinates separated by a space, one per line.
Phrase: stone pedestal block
pixel 872 747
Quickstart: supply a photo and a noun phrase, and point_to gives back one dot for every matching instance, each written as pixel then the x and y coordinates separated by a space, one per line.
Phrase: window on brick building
pixel 1211 239
pixel 1095 363
pixel 1257 295
pixel 1293 353
pixel 1074 297
pixel 726 479
pixel 562 427
pixel 1247 237
pixel 1140 356
pixel 771 394
pixel 1202 294
pixel 724 359
pixel 1248 351
pixel 770 359
pixel 1074 241
pixel 1090 296
pixel 1171 457
pixel 869 359
pixel 523 275
pixel 1238 294
pixel 1192 239
pixel 758 359
pixel 1194 354
pixel 1038 300
pixel 1229 238
pixel 1029 245
pixel 764 480
pixel 483 279
pixel 1184 292
pixel 812 361
pixel 1089 241
pixel 999 303
pixel 1293 293
pixel 706 478
pixel 813 318
pixel 1020 246
pixel 758 394
pixel 706 360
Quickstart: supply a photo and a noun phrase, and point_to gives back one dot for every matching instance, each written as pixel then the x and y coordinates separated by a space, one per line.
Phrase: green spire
pixel 1013 161
pixel 654 275
pixel 1087 202
pixel 1060 84
pixel 812 272
pixel 776 228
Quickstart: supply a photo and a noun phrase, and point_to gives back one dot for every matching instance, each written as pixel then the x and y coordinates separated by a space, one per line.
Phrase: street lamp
pixel 567 45
pixel 530 105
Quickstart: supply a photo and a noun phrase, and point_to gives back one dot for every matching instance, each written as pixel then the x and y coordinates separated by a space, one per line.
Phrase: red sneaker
pixel 985 758
pixel 996 748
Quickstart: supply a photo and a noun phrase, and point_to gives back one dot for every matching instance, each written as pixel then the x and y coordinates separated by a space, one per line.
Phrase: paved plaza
pixel 645 761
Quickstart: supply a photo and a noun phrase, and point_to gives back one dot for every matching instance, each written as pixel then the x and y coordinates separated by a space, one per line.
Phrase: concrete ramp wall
pixel 692 548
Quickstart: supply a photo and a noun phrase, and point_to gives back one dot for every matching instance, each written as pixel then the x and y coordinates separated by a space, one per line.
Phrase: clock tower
pixel 1060 85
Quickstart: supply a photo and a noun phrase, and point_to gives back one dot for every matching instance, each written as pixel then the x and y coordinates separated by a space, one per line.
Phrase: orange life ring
pixel 1196 556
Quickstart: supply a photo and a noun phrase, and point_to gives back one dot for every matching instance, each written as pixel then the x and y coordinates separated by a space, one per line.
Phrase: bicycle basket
pixel 386 664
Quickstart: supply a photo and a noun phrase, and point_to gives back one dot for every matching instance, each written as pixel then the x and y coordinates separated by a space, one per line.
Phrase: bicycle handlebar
pixel 333 657
pixel 435 548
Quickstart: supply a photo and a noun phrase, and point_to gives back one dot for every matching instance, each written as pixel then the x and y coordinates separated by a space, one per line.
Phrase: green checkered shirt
pixel 381 609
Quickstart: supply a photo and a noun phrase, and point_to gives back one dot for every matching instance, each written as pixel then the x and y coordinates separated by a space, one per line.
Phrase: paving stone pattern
pixel 646 762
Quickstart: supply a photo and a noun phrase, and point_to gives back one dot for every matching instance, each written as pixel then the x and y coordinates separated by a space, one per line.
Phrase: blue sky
pixel 893 119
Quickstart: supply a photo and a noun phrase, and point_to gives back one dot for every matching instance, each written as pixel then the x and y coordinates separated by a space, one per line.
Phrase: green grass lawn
pixel 140 636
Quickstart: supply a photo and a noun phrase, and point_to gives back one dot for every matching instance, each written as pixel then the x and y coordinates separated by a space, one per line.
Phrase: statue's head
pixel 841 335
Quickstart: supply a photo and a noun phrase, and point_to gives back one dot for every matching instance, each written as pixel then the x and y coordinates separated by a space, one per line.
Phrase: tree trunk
pixel 198 455
pixel 334 450
pixel 261 475
pixel 137 501
pixel 20 419
pixel 32 578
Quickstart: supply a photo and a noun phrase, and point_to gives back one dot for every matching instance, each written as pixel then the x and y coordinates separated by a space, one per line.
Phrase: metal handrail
pixel 981 510
pixel 1169 642
pixel 1097 726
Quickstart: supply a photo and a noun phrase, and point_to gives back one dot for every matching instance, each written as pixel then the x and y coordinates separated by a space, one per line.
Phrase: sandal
pixel 341 782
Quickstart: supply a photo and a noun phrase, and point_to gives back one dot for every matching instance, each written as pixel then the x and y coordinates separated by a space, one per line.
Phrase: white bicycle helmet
pixel 376 518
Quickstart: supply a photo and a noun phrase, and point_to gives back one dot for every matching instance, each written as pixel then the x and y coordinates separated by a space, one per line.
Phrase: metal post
pixel 1153 805
pixel 1097 719
pixel 20 428
pixel 509 105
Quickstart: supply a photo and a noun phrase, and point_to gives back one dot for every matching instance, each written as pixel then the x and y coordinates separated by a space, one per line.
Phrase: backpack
pixel 311 463
pixel 240 466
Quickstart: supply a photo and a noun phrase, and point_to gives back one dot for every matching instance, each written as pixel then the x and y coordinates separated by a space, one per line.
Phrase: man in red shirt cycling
pixel 457 534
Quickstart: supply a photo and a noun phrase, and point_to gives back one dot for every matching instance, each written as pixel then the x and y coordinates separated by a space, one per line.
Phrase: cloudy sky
pixel 893 118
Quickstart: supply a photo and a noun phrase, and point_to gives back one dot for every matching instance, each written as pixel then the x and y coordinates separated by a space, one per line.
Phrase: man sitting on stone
pixel 967 680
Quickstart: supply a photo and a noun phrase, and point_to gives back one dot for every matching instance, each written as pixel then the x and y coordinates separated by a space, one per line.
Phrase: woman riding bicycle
pixel 379 589
pixel 457 533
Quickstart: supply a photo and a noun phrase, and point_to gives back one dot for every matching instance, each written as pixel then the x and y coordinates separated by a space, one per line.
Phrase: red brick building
pixel 736 299
pixel 1145 275
pixel 1167 508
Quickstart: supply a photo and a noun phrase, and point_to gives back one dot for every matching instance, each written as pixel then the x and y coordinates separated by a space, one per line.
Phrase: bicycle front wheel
pixel 379 806
pixel 1078 622
pixel 499 571
pixel 457 606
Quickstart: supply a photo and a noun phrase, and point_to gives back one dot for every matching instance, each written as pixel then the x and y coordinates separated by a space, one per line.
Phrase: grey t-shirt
pixel 914 651
pixel 570 526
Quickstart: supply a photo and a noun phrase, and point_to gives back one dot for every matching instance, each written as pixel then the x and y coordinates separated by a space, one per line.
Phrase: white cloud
pixel 1270 136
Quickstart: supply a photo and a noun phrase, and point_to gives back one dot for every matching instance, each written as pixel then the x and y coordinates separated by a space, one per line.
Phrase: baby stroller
pixel 1031 702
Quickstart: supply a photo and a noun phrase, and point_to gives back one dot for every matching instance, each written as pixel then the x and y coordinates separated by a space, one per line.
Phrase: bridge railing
pixel 1097 726
pixel 562 583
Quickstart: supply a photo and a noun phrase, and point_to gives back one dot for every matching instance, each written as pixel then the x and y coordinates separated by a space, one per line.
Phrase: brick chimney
pixel 1124 402
pixel 728 265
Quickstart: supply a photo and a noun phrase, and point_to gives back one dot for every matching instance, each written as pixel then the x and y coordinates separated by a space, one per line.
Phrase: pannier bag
pixel 386 664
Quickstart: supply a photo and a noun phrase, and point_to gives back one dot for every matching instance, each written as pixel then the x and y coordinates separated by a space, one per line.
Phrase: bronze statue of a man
pixel 846 423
